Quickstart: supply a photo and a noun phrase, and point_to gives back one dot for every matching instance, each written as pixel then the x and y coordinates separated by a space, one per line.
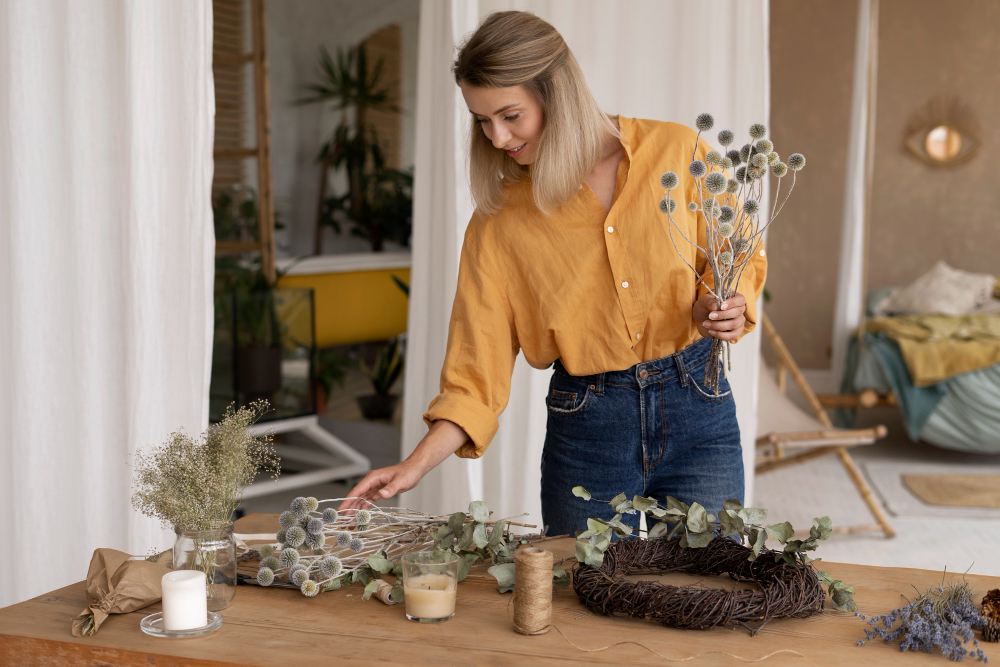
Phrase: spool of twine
pixel 533 592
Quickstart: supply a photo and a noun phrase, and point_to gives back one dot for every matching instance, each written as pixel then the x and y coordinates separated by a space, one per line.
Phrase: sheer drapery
pixel 645 59
pixel 106 267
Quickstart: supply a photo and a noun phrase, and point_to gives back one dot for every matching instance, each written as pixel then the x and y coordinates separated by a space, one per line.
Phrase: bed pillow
pixel 943 290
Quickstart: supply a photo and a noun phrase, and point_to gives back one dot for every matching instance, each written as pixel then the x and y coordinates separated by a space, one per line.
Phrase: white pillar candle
pixel 430 596
pixel 185 600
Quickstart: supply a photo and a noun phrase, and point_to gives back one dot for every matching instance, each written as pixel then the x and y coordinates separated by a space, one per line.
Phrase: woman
pixel 568 259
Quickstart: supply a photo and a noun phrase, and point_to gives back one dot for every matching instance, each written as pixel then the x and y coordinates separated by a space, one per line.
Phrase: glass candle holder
pixel 430 585
pixel 213 552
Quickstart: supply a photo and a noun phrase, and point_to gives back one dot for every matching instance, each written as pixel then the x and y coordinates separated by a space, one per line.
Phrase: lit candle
pixel 430 596
pixel 185 600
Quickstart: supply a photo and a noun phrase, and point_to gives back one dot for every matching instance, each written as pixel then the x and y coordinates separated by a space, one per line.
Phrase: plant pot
pixel 377 406
pixel 258 372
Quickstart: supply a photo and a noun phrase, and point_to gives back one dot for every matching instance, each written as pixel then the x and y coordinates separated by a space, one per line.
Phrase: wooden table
pixel 282 627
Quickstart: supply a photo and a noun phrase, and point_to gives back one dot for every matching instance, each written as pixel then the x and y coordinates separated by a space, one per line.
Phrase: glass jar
pixel 212 551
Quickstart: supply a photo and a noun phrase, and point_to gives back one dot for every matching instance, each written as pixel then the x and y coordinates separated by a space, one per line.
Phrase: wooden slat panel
pixel 386 44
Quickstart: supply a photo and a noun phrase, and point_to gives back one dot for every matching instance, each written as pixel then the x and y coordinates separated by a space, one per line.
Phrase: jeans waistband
pixel 647 372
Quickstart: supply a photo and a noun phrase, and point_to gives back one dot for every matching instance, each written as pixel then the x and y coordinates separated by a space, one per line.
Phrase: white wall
pixel 295 31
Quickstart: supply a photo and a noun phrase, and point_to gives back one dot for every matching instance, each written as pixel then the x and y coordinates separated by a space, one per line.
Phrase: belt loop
pixel 682 375
pixel 600 384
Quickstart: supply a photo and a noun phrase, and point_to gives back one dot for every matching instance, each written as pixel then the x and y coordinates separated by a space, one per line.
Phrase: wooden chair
pixel 787 435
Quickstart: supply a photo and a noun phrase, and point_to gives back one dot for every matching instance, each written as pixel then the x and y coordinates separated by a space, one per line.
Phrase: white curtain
pixel 851 279
pixel 106 268
pixel 647 59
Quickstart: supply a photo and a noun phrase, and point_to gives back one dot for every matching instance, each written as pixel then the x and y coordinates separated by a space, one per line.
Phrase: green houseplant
pixel 383 375
pixel 378 201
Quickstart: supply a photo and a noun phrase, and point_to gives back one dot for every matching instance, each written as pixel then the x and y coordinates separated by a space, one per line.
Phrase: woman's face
pixel 510 117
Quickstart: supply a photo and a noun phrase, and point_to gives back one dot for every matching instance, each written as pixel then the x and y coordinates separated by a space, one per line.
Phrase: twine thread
pixel 533 593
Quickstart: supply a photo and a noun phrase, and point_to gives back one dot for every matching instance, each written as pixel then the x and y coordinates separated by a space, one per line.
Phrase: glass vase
pixel 212 551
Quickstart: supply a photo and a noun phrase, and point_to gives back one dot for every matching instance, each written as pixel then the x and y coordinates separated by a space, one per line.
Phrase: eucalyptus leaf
pixel 480 536
pixel 658 530
pixel 463 569
pixel 560 577
pixel 824 577
pixel 479 511
pixel 370 588
pixel 781 531
pixel 583 549
pixel 699 540
pixel 496 535
pixel 674 504
pixel 758 538
pixel 455 522
pixel 617 499
pixel 504 574
pixel 731 525
pixel 379 563
pixel 397 570
pixel 447 542
pixel 596 558
pixel 581 492
pixel 601 541
pixel 643 504
pixel 397 594
pixel 843 600
pixel 822 527
pixel 732 504
pixel 792 546
pixel 753 515
pixel 697 518
pixel 657 512
pixel 597 525
pixel 467 538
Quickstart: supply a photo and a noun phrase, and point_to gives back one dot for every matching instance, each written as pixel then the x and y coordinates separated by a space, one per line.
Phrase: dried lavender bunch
pixel 730 199
pixel 196 484
pixel 942 618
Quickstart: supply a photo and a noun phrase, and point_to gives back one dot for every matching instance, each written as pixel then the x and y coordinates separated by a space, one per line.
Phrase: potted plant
pixel 331 368
pixel 386 370
pixel 378 202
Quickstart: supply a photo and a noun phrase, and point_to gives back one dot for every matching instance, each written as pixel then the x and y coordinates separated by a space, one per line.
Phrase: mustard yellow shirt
pixel 602 291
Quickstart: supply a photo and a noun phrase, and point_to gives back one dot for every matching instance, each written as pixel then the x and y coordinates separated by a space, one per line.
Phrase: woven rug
pixel 951 490
pixel 887 480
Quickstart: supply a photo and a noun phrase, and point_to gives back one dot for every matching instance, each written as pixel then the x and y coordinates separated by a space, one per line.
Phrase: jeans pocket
pixel 567 396
pixel 696 380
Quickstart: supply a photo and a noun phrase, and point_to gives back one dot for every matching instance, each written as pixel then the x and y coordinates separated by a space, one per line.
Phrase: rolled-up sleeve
pixel 482 347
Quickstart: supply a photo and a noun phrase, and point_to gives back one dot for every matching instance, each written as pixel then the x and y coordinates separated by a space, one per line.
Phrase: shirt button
pixel 643 374
pixel 625 284
pixel 638 336
pixel 610 230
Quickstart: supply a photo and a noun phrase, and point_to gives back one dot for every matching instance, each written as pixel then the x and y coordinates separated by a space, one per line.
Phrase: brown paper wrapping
pixel 117 585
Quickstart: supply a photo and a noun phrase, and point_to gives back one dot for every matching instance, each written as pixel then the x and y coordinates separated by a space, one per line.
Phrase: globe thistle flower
pixel 796 161
pixel 726 137
pixel 287 519
pixel 270 563
pixel 330 567
pixel 330 515
pixel 764 146
pixel 697 168
pixel 726 258
pixel 288 558
pixel 315 526
pixel 741 175
pixel 267 550
pixel 295 536
pixel 315 541
pixel 309 588
pixel 668 205
pixel 745 153
pixel 312 504
pixel 704 122
pixel 751 207
pixel 754 173
pixel 299 576
pixel 363 517
pixel 300 507
pixel 713 158
pixel 669 180
pixel 711 206
pixel 757 131
pixel 726 215
pixel 716 182
pixel 281 535
pixel 343 538
pixel 734 157
pixel 740 244
pixel 726 230
pixel 265 576
pixel 692 206
pixel 779 169
pixel 772 157
pixel 732 186
pixel 356 544
pixel 726 163
pixel 759 160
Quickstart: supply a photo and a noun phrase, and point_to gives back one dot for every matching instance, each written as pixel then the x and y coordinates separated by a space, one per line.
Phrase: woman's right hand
pixel 443 438
pixel 384 483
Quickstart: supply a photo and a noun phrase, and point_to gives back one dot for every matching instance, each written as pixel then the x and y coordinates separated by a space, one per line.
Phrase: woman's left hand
pixel 725 323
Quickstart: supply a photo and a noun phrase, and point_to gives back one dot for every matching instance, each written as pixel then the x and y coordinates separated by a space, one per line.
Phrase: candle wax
pixel 430 596
pixel 185 600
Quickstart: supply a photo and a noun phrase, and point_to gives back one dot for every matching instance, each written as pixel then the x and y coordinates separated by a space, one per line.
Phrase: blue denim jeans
pixel 652 430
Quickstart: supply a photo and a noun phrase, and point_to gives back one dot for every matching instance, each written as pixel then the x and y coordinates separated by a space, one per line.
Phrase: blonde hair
pixel 519 49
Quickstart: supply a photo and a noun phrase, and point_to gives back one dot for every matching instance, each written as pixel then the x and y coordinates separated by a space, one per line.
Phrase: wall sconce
pixel 943 133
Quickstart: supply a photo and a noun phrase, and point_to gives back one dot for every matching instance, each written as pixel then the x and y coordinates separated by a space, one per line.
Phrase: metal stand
pixel 336 467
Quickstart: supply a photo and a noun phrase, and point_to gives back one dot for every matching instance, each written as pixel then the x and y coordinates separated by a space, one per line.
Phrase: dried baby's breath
pixel 196 484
